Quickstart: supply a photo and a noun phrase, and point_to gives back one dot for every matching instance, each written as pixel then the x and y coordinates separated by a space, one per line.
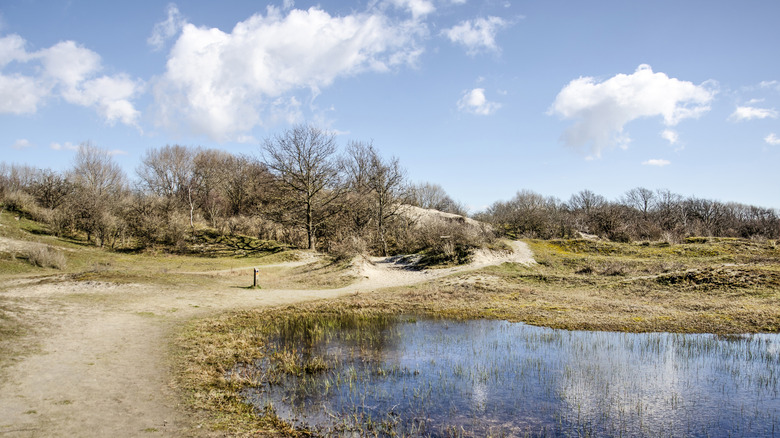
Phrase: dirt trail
pixel 101 368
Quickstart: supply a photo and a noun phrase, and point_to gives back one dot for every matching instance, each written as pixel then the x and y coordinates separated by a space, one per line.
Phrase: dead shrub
pixel 347 247
pixel 46 257
pixel 444 241
pixel 20 202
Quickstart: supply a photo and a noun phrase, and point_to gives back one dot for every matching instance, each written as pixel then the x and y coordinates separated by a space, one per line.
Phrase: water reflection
pixel 484 377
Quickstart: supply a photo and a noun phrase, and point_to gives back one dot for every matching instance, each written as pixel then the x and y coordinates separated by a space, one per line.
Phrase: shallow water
pixel 494 378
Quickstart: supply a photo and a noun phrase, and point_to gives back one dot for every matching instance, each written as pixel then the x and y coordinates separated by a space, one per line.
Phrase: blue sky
pixel 483 97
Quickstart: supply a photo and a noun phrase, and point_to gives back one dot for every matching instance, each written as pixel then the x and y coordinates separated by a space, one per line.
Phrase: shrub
pixel 20 202
pixel 46 257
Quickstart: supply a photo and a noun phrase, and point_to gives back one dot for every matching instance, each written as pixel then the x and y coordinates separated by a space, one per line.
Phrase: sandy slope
pixel 101 368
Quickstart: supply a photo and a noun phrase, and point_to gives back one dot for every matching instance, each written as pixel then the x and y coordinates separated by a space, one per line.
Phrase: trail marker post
pixel 254 284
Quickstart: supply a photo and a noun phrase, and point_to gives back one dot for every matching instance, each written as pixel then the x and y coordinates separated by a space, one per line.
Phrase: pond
pixel 428 377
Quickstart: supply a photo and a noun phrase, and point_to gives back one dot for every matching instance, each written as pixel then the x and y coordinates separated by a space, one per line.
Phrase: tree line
pixel 640 214
pixel 303 190
pixel 300 190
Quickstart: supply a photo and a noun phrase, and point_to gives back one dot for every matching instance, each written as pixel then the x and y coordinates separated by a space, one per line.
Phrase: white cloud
pixel 165 30
pixel 21 94
pixel 670 135
pixel 602 109
pixel 750 113
pixel 66 70
pixel 68 146
pixel 12 49
pixel 477 35
pixel 772 139
pixel 68 63
pixel 22 143
pixel 114 152
pixel 288 4
pixel 474 102
pixel 656 162
pixel 223 84
pixel 111 96
pixel 418 8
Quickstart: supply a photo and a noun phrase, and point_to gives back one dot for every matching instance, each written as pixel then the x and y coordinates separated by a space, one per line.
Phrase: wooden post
pixel 254 284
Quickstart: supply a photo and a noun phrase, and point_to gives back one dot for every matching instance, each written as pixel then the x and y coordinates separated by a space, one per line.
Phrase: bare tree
pixel 586 201
pixel 50 188
pixel 169 172
pixel 247 185
pixel 211 173
pixel 94 169
pixel 99 185
pixel 16 177
pixel 303 158
pixel 433 196
pixel 641 199
pixel 381 180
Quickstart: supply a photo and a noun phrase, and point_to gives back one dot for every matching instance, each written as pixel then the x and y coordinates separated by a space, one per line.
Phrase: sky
pixel 484 98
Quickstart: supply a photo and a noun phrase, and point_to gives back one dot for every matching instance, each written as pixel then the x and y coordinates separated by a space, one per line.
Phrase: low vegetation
pixel 714 285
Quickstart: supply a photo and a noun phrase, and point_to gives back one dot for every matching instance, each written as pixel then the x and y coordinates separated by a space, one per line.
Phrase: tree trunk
pixel 309 226
pixel 192 206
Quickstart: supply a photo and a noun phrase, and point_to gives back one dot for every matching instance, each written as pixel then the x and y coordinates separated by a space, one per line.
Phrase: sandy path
pixel 101 369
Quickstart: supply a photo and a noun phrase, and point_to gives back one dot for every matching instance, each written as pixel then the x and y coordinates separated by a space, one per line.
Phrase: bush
pixel 19 202
pixel 446 240
pixel 46 257
pixel 347 247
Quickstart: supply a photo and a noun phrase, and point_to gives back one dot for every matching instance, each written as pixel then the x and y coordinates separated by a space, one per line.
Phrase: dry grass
pixel 719 286
pixel 322 274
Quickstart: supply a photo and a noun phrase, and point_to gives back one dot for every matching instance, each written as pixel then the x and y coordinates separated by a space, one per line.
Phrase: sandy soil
pixel 101 367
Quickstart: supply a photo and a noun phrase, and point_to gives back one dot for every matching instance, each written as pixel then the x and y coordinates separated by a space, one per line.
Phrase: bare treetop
pixel 303 159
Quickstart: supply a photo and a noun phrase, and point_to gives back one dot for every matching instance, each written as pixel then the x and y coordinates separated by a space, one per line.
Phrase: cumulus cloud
pixel 656 162
pixel 670 135
pixel 750 113
pixel 65 70
pixel 772 139
pixel 165 30
pixel 474 102
pixel 223 84
pixel 22 143
pixel 602 109
pixel 477 35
